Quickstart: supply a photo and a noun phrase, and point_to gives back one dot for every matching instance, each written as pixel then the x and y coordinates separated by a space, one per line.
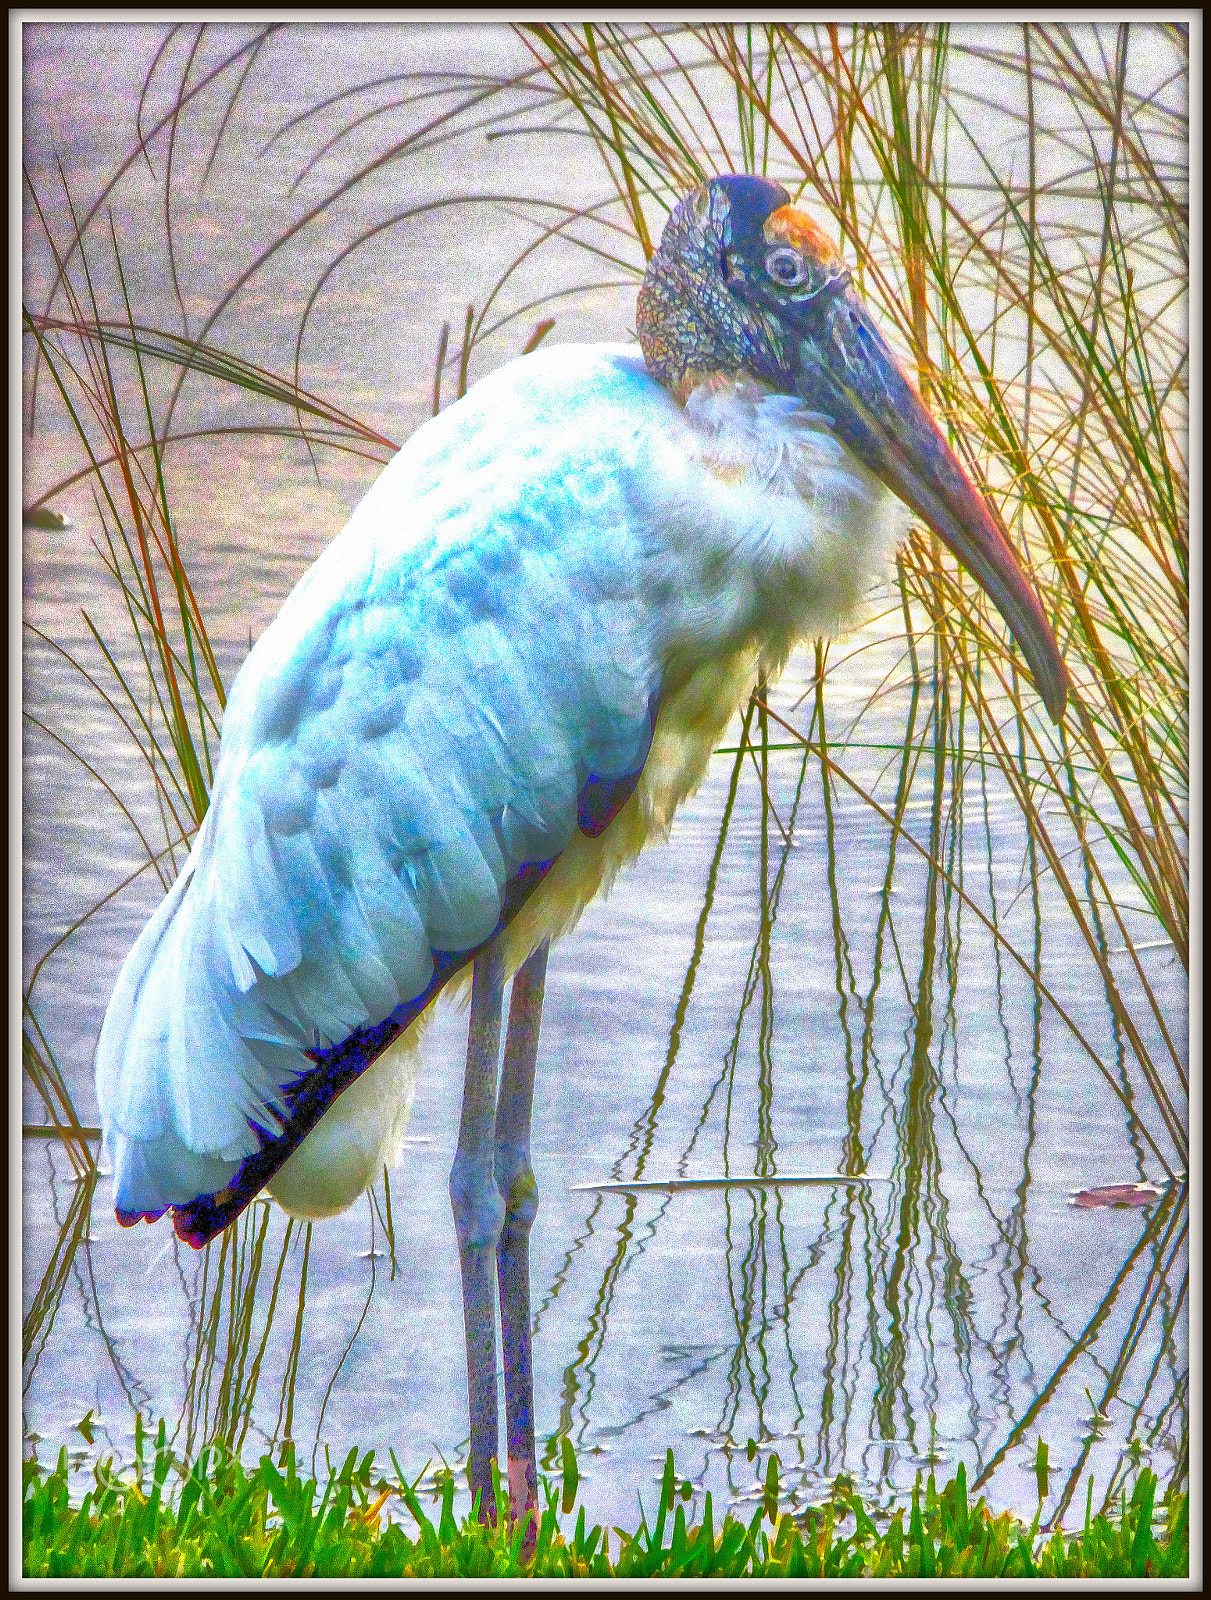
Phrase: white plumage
pixel 488 693
pixel 537 564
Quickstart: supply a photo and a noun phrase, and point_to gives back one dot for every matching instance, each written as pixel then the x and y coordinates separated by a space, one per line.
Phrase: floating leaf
pixel 44 517
pixel 1116 1194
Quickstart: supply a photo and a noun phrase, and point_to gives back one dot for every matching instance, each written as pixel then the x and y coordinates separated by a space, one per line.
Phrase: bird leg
pixel 515 1180
pixel 478 1214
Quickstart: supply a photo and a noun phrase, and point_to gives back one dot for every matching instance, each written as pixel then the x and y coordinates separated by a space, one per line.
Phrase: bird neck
pixel 774 531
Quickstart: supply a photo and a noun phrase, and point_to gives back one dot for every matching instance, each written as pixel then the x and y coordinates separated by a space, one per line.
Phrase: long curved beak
pixel 846 371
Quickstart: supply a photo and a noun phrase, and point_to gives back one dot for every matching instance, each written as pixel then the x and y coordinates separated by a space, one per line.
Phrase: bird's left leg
pixel 478 1214
pixel 515 1180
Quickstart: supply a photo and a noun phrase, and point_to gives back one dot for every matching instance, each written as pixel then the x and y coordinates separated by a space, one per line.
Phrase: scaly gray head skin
pixel 745 282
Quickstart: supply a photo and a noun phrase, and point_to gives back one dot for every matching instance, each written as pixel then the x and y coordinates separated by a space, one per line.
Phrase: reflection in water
pixel 915 1271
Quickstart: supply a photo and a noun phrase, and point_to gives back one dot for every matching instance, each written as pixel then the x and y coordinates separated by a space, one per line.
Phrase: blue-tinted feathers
pixel 488 632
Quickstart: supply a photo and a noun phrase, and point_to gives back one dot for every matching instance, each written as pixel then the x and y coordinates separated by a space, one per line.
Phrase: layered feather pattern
pixel 485 635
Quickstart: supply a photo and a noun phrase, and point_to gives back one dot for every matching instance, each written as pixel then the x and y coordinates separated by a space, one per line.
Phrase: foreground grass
pixel 229 1521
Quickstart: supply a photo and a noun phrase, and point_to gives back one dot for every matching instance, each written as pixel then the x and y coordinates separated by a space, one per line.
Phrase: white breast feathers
pixel 772 531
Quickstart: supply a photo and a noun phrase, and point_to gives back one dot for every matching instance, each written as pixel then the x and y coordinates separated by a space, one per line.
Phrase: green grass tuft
pixel 231 1521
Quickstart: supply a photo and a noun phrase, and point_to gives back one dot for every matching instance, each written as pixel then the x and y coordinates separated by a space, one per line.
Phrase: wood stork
pixel 487 694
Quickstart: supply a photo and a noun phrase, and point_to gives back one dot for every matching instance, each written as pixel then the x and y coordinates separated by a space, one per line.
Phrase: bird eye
pixel 786 267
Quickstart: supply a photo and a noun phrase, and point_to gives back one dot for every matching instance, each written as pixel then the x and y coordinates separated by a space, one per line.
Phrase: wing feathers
pixel 411 730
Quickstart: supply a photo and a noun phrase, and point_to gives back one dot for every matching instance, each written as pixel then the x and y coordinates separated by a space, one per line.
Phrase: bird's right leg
pixel 515 1179
pixel 478 1214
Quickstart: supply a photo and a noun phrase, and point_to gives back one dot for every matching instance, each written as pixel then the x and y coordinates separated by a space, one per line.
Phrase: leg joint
pixel 516 1183
pixel 479 1210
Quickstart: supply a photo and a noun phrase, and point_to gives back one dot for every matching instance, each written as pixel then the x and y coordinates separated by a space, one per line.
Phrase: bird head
pixel 743 282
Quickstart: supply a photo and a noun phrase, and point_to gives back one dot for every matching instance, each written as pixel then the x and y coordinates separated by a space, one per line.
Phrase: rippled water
pixel 734 1008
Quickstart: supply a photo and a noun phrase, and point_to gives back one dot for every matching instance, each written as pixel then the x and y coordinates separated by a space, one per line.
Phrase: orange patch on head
pixel 789 225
